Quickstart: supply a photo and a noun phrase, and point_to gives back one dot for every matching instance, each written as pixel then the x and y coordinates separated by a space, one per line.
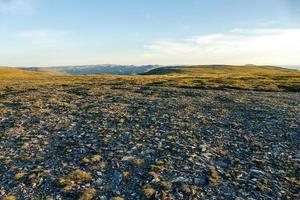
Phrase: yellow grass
pixel 12 73
pixel 220 77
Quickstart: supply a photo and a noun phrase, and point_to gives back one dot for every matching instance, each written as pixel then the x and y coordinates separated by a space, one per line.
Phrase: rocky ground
pixel 130 142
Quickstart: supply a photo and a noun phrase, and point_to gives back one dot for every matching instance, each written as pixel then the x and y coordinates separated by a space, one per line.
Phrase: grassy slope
pixel 13 73
pixel 214 69
pixel 217 77
pixel 20 79
pixel 240 77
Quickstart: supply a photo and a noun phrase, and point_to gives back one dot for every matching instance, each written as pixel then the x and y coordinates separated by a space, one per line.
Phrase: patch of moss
pixel 214 175
pixel 148 191
pixel 166 185
pixel 138 162
pixel 189 189
pixel 20 175
pixel 158 166
pixel 87 194
pixel 2 156
pixel 167 196
pixel 99 166
pixel 76 177
pixel 155 176
pixel 10 197
pixel 262 187
pixel 96 158
pixel 85 161
pixel 185 189
pixel 293 181
pixel 117 198
pixel 92 159
pixel 7 162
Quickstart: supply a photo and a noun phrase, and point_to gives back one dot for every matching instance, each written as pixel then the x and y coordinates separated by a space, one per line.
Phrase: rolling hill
pixel 216 69
pixel 227 76
pixel 97 69
pixel 13 73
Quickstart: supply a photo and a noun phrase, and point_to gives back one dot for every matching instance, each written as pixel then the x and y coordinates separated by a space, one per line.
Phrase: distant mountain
pixel 98 69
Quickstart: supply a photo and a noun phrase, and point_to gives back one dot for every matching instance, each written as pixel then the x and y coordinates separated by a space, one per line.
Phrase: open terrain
pixel 209 132
pixel 262 78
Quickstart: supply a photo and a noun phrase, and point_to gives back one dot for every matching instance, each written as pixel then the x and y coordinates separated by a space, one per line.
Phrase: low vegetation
pixel 214 77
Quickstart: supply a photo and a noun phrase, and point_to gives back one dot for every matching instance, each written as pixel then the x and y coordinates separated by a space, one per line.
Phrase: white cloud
pixel 42 36
pixel 11 6
pixel 239 46
pixel 209 39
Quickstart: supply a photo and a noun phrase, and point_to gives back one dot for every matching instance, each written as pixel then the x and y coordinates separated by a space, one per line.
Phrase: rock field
pixel 140 142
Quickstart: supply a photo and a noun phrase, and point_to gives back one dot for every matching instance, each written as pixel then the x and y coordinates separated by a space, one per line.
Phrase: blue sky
pixel 71 32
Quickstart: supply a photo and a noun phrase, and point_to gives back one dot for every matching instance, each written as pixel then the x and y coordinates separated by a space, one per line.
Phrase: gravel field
pixel 140 142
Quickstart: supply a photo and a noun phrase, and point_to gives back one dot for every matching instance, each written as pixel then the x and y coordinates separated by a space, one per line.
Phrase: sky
pixel 74 32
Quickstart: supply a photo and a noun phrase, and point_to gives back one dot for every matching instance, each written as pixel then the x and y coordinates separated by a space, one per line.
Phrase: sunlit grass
pixel 220 77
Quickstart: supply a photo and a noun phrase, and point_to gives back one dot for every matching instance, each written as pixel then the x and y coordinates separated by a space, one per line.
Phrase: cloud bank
pixel 238 46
